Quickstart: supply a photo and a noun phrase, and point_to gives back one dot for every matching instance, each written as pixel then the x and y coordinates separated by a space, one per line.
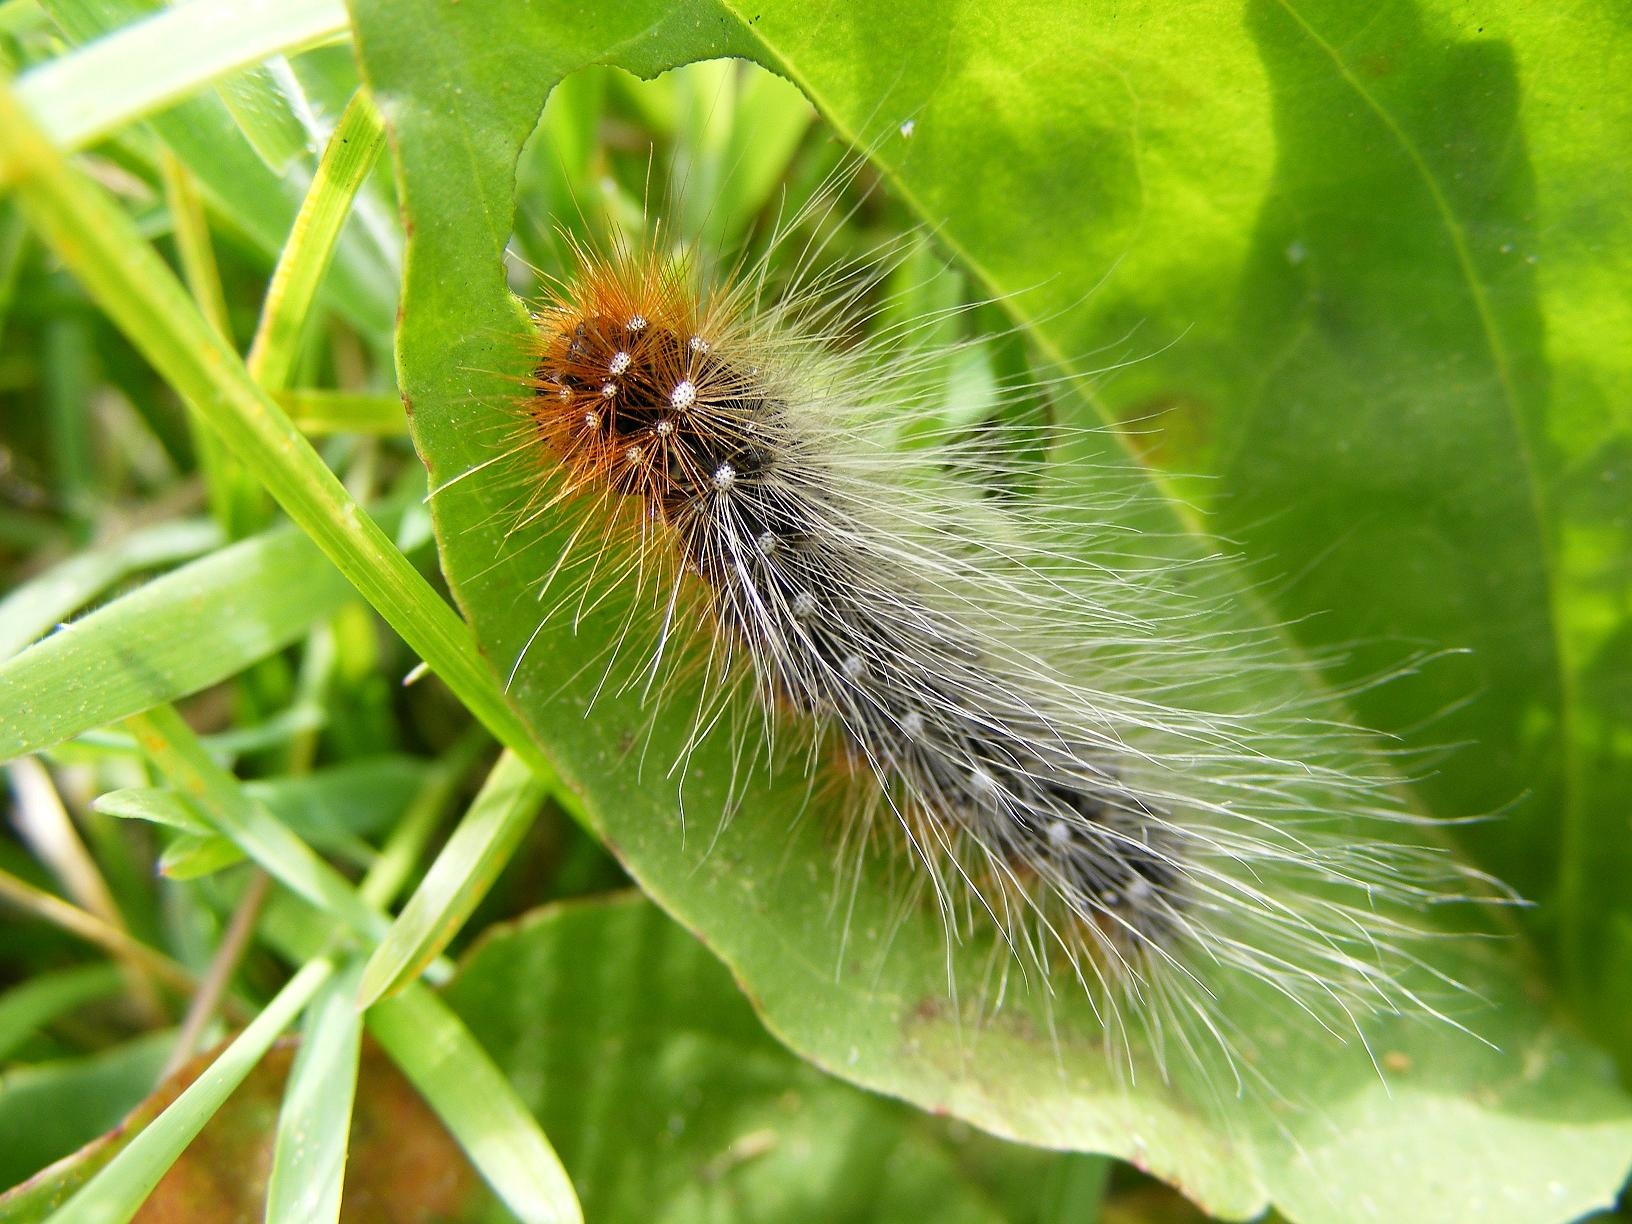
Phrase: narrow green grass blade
pixel 396 860
pixel 156 805
pixel 102 247
pixel 119 1188
pixel 181 632
pixel 236 502
pixel 350 155
pixel 266 101
pixel 314 1125
pixel 35 902
pixel 66 377
pixel 236 183
pixel 1074 1190
pixel 458 880
pixel 182 759
pixel 116 80
pixel 188 857
pixel 29 1007
pixel 13 231
pixel 436 1052
pixel 319 411
pixel 35 606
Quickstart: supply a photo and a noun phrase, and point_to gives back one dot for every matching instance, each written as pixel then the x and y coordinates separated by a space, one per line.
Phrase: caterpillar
pixel 1059 743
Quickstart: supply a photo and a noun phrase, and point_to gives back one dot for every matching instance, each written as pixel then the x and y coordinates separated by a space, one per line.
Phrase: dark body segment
pixel 839 630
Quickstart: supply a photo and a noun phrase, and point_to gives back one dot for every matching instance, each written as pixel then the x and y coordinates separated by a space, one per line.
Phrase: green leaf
pixel 346 161
pixel 30 1006
pixel 267 102
pixel 235 181
pixel 434 1049
pixel 48 1110
pixel 156 805
pixel 314 1125
pixel 118 1189
pixel 316 411
pixel 459 878
pixel 39 604
pixel 188 857
pixel 669 1103
pixel 119 79
pixel 177 634
pixel 1037 139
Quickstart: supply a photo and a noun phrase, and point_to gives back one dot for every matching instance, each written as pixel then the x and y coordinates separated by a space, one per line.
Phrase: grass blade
pixel 26 1009
pixel 458 880
pixel 48 907
pixel 350 155
pixel 102 247
pixel 183 760
pixel 33 608
pixel 477 1104
pixel 181 632
pixel 320 411
pixel 314 1125
pixel 118 79
pixel 325 412
pixel 119 1188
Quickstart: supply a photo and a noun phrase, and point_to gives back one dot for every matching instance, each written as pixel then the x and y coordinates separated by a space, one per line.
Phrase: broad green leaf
pixel 173 636
pixel 668 1102
pixel 1030 140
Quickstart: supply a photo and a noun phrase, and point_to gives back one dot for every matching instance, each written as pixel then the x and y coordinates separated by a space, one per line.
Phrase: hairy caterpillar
pixel 1068 752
